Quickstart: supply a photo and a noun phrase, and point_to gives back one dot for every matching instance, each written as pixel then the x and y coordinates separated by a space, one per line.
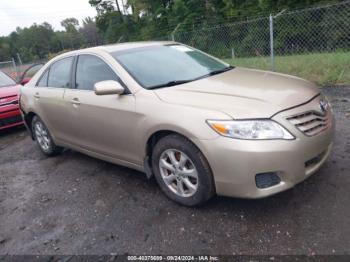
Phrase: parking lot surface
pixel 74 204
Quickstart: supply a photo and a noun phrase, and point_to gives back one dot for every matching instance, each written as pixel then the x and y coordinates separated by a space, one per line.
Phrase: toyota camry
pixel 197 124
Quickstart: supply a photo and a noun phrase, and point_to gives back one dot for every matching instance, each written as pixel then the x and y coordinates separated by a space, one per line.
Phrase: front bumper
pixel 10 118
pixel 235 163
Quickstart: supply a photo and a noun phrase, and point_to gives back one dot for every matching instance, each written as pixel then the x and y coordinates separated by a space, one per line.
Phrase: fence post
pixel 19 59
pixel 272 55
pixel 174 31
pixel 272 50
pixel 15 68
pixel 233 53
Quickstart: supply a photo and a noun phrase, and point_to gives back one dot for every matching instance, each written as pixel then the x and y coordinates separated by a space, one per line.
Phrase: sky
pixel 22 13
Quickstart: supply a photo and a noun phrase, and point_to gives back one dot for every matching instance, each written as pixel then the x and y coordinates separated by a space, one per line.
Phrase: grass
pixel 324 69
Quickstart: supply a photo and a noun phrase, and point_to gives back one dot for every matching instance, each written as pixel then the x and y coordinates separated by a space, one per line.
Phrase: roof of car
pixel 130 45
pixel 113 48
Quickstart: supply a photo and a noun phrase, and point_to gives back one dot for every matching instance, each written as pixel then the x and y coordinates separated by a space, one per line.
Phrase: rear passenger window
pixel 91 70
pixel 60 72
pixel 43 80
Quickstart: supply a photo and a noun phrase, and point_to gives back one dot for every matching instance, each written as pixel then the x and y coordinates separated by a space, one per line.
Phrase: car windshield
pixel 5 80
pixel 168 65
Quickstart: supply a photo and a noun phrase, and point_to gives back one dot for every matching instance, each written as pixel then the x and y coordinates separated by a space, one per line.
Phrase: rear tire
pixel 181 171
pixel 43 138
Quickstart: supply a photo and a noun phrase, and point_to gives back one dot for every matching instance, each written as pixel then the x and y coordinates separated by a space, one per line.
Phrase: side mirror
pixel 25 81
pixel 108 88
pixel 29 73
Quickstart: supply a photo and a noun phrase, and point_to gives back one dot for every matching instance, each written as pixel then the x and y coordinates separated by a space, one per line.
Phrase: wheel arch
pixel 153 139
pixel 157 136
pixel 28 118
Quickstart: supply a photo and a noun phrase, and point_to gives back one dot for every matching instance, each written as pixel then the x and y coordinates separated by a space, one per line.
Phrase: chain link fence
pixel 243 39
pixel 312 43
pixel 10 68
pixel 15 71
pixel 305 42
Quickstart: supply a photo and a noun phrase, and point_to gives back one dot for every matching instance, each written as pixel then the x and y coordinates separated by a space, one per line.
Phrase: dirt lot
pixel 74 204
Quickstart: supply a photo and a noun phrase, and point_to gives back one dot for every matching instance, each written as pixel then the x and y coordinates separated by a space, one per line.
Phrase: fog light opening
pixel 266 180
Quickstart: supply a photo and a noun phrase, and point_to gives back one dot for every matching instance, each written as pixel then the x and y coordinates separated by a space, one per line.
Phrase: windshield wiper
pixel 216 72
pixel 170 83
pixel 179 82
pixel 221 70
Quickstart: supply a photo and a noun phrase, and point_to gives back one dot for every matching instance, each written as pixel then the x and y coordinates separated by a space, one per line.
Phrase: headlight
pixel 250 129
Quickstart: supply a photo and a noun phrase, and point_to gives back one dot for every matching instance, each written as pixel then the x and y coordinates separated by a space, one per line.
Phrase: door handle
pixel 37 95
pixel 75 101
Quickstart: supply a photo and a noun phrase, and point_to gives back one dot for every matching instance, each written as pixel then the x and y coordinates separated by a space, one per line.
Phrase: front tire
pixel 181 171
pixel 43 138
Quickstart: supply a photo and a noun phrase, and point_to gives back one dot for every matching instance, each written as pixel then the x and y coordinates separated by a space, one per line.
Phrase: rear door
pixel 48 96
pixel 101 124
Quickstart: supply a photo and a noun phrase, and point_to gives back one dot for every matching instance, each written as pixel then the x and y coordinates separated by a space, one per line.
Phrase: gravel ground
pixel 74 204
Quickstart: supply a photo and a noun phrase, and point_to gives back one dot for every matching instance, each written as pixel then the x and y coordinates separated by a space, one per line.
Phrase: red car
pixel 10 114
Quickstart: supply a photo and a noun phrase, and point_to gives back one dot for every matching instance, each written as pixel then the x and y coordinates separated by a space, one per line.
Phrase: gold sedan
pixel 199 125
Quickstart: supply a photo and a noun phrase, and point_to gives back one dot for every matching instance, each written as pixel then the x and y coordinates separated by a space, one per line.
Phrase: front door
pixel 101 124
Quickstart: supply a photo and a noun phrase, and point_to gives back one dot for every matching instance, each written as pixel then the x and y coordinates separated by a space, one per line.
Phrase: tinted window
pixel 90 70
pixel 43 80
pixel 59 75
pixel 157 65
pixel 5 80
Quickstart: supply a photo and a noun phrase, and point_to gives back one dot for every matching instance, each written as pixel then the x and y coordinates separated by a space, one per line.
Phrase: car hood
pixel 9 91
pixel 242 93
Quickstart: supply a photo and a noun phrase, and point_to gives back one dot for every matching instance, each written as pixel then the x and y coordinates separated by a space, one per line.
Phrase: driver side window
pixel 91 70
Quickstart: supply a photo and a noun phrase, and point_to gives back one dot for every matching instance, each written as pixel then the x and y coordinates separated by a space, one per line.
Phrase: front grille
pixel 14 102
pixel 310 123
pixel 10 120
pixel 9 100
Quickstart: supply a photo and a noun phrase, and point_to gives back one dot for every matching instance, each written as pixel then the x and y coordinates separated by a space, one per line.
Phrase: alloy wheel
pixel 42 136
pixel 178 172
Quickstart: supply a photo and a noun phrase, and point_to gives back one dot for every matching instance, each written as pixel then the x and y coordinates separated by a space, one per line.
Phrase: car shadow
pixel 11 135
pixel 134 181
pixel 12 130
